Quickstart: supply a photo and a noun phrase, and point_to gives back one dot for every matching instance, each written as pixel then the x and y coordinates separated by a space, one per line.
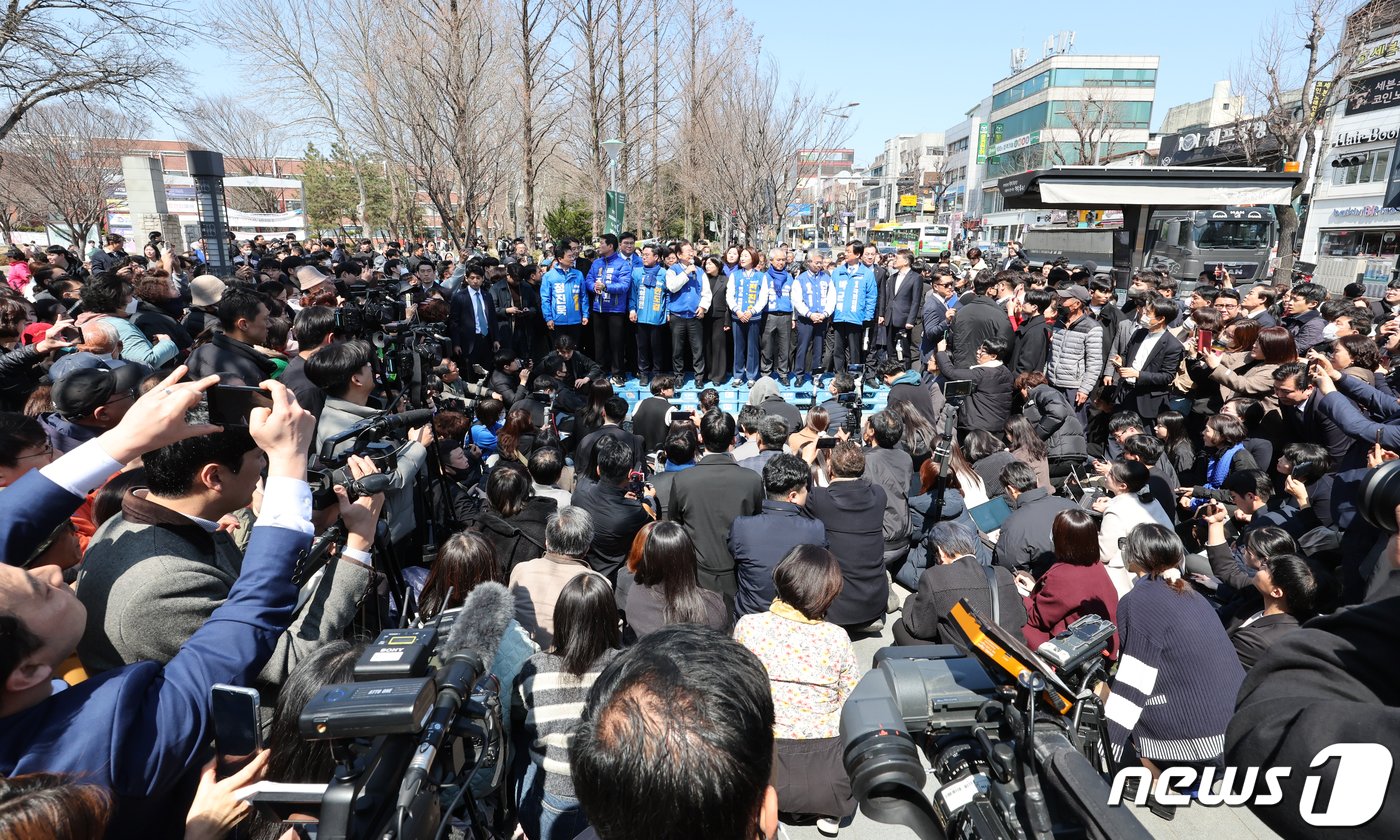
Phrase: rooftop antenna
pixel 1064 41
pixel 1018 59
pixel 1048 48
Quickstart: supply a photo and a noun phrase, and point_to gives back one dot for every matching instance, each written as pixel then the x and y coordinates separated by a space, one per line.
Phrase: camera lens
pixel 1380 493
pixel 886 773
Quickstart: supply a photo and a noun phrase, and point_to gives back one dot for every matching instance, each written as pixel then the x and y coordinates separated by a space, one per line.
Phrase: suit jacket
pixel 935 319
pixel 760 542
pixel 904 301
pixel 979 318
pixel 706 499
pixel 145 725
pixel 501 300
pixel 584 457
pixel 230 356
pixel 942 585
pixel 461 322
pixel 989 407
pixel 1148 395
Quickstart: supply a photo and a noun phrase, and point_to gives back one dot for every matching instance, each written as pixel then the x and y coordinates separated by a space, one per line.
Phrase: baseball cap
pixel 1075 291
pixel 82 360
pixel 83 391
pixel 34 333
pixel 309 277
pixel 1090 266
pixel 206 290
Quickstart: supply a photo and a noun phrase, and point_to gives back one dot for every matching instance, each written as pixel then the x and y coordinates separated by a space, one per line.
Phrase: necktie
pixel 480 312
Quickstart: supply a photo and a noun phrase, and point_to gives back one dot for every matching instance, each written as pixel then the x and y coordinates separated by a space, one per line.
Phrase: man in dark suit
pixel 1299 403
pixel 935 313
pixel 877 329
pixel 979 317
pixel 616 516
pixel 471 323
pixel 852 509
pixel 1032 346
pixel 761 541
pixel 614 412
pixel 905 290
pixel 709 496
pixel 1149 363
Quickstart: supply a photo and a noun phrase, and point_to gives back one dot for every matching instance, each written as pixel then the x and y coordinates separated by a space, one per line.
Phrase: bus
pixel 925 240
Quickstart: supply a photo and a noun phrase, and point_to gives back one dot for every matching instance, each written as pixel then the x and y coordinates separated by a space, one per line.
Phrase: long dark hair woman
pixel 513 518
pixel 596 393
pixel 663 588
pixel 516 439
pixel 1026 446
pixel 717 319
pixel 553 687
pixel 923 516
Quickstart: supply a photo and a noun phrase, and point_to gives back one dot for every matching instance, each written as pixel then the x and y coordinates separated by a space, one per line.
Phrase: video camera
pixel 368 440
pixel 1007 736
pixel 421 717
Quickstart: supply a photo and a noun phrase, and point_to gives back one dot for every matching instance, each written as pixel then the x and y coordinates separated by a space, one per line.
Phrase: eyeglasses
pixel 46 452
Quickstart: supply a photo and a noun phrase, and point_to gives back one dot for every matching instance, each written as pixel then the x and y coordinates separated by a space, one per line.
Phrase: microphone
pixel 470 647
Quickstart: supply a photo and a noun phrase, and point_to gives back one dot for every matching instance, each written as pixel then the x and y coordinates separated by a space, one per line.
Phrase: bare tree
pixel 249 141
pixel 55 49
pixel 73 164
pixel 21 207
pixel 1095 121
pixel 1319 41
pixel 297 54
pixel 592 58
pixel 700 66
pixel 539 77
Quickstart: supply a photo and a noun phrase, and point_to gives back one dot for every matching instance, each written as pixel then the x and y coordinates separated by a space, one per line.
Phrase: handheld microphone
pixel 471 646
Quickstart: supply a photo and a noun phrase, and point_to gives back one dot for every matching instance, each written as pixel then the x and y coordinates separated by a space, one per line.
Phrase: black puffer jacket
pixel 1055 422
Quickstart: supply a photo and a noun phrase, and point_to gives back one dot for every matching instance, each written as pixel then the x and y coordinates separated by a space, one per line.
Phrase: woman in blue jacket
pixel 747 297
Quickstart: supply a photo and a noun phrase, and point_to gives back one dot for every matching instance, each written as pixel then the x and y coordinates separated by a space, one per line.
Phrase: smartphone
pixel 237 735
pixel 70 334
pixel 231 405
pixel 636 483
pixel 827 442
pixel 1204 339
pixel 1378 437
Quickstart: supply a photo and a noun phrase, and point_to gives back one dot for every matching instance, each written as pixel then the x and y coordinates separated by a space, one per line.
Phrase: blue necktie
pixel 480 312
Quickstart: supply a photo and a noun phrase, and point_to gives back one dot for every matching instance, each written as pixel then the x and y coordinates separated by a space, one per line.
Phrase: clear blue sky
pixel 923 63
pixel 919 65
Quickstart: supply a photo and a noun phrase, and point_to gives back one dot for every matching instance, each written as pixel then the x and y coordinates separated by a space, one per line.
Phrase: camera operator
pixel 508 377
pixel 163 563
pixel 837 407
pixel 957 575
pixel 139 731
pixel 345 371
pixel 989 405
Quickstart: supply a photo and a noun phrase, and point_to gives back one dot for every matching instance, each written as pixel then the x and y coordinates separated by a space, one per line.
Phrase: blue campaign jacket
pixel 856 293
pixel 648 297
pixel 780 298
pixel 616 272
pixel 684 303
pixel 749 291
pixel 140 731
pixel 562 296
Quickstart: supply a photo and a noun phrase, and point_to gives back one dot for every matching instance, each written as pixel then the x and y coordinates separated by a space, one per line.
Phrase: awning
pixel 1160 187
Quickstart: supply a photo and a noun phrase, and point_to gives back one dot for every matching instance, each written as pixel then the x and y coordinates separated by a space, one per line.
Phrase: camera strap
pixel 991 573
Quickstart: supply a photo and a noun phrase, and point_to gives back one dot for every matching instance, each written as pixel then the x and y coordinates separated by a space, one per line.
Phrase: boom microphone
pixel 471 646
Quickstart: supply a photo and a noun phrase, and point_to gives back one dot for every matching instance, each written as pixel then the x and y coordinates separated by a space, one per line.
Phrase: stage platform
pixel 732 399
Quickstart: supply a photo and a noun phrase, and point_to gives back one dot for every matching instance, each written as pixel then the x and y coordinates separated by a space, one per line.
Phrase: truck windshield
pixel 1234 234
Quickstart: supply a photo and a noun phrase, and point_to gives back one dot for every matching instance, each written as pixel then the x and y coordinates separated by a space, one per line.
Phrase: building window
pixel 1035 84
pixel 1121 114
pixel 1374 166
pixel 1360 243
pixel 1105 77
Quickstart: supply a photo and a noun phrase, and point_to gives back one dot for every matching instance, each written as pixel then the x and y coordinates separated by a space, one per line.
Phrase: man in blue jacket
pixel 610 283
pixel 563 297
pixel 141 731
pixel 857 291
pixel 647 309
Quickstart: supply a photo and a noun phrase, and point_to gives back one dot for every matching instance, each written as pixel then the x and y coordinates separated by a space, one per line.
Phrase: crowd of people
pixel 686 582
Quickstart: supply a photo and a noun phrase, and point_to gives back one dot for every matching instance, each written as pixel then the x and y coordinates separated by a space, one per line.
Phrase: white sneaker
pixel 828 826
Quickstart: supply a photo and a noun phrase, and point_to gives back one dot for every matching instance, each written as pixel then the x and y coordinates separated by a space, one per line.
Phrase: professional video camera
pixel 854 401
pixel 367 308
pixel 412 729
pixel 955 392
pixel 1006 734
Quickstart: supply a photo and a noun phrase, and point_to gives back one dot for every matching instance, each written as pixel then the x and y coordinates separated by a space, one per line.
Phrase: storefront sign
pixel 1368 211
pixel 1319 98
pixel 1223 143
pixel 1374 93
pixel 1378 53
pixel 1365 135
pixel 1024 141
pixel 908 201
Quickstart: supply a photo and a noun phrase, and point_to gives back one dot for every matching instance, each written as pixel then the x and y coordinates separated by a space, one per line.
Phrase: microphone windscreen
pixel 482 623
pixel 376 483
pixel 410 419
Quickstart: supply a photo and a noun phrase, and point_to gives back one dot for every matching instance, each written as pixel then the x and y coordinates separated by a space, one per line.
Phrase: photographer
pixel 957 575
pixel 162 565
pixel 617 514
pixel 144 727
pixel 345 371
pixel 508 377
pixel 989 405
pixel 842 388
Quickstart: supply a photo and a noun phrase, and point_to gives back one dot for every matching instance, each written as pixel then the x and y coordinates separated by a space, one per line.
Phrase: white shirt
pixel 1145 349
pixel 1124 512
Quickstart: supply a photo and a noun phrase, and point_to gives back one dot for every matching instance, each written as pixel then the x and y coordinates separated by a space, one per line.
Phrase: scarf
pixel 785 610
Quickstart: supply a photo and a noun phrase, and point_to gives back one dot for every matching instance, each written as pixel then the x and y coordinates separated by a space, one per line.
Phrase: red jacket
pixel 1065 593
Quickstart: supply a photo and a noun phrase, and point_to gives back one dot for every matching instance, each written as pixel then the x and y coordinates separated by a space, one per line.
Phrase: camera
pixel 1380 493
pixel 1008 735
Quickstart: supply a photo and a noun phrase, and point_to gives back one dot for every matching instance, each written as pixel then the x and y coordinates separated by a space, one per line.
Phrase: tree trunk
pixel 1287 233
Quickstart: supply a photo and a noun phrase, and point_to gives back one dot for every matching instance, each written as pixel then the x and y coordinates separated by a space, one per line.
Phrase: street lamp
pixel 613 148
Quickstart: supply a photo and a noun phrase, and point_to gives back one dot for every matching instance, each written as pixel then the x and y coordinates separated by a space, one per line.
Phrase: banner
pixel 908 201
pixel 617 209
pixel 982 143
pixel 1392 187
